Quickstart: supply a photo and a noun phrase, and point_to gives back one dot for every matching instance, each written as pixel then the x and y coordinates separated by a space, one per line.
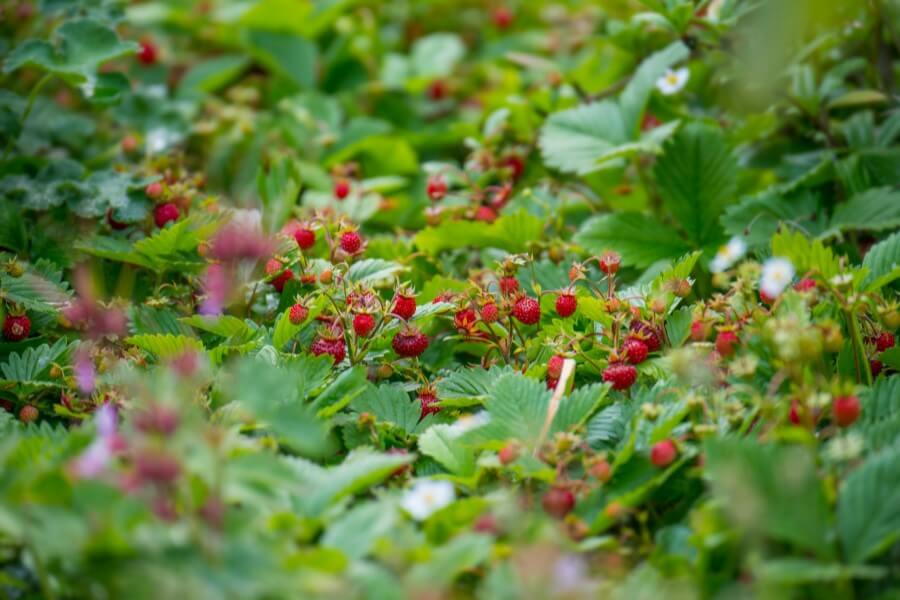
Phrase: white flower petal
pixel 427 496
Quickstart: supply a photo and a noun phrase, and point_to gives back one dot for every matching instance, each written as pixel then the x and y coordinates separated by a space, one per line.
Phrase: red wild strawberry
pixel 609 262
pixel 154 190
pixel 725 343
pixel 28 414
pixel 465 319
pixel 846 410
pixel 700 331
pixel 647 333
pixel 305 237
pixel 601 470
pixel 298 314
pixel 622 376
pixel 794 413
pixel 341 188
pixel 806 284
pixel 330 345
pixel 875 366
pixel 363 324
pixel 635 351
pixel 650 122
pixel 552 383
pixel 527 310
pixel 883 341
pixel 16 327
pixel 515 164
pixel 429 401
pixel 566 304
pixel 404 306
pixel 502 17
pixel 485 214
pixel 113 223
pixel 410 342
pixel 129 144
pixel 554 366
pixel 508 453
pixel 489 312
pixel 437 90
pixel 148 53
pixel 351 242
pixel 163 213
pixel 436 187
pixel 279 277
pixel 663 453
pixel 765 298
pixel 558 502
pixel 509 285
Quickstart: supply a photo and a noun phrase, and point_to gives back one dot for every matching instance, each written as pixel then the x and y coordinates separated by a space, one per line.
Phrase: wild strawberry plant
pixel 361 299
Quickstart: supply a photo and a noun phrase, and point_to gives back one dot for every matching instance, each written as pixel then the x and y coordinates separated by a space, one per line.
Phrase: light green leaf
pixel 634 97
pixel 868 510
pixel 441 443
pixel 165 346
pixel 640 239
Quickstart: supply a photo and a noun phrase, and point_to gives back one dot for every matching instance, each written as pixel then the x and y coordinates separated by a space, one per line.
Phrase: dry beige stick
pixel 568 369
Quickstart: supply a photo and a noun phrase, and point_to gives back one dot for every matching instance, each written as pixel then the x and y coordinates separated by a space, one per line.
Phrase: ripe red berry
pixel 806 284
pixel 437 90
pixel 558 502
pixel 274 267
pixel 489 312
pixel 527 310
pixel 298 314
pixel 509 285
pixel 663 453
pixel 410 343
pixel 333 347
pixel 647 333
pixel 154 190
pixel 883 341
pixel 429 402
pixel 794 413
pixel 465 319
pixel 306 238
pixel 163 213
pixel 363 324
pixel 635 351
pixel 502 17
pixel 113 223
pixel 765 298
pixel 436 187
pixel 609 262
pixel 28 414
pixel 554 366
pixel 16 327
pixel 552 383
pixel 148 53
pixel 508 453
pixel 351 242
pixel 404 306
pixel 566 305
pixel 725 343
pixel 485 214
pixel 341 188
pixel 875 366
pixel 622 376
pixel 700 331
pixel 846 410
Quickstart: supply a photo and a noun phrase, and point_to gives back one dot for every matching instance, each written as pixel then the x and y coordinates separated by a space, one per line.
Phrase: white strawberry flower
pixel 728 254
pixel 469 422
pixel 426 497
pixel 777 274
pixel 673 81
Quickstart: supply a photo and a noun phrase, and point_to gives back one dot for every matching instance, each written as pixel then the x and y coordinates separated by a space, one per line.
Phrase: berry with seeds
pixel 28 414
pixel 883 341
pixel 635 351
pixel 409 342
pixel 558 502
pixel 663 453
pixel 609 262
pixel 341 189
pixel 485 214
pixel 509 285
pixel 351 242
pixel 363 324
pixel 280 275
pixel 621 375
pixel 465 319
pixel 154 190
pixel 305 237
pixel 16 327
pixel 298 314
pixel 332 346
pixel 148 53
pixel 566 304
pixel 165 213
pixel 436 187
pixel 527 310
pixel 846 410
pixel 489 312
pixel 429 402
pixel 700 331
pixel 554 366
pixel 404 306
pixel 647 333
pixel 725 343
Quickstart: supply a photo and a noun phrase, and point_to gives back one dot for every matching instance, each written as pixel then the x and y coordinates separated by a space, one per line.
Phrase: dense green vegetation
pixel 488 299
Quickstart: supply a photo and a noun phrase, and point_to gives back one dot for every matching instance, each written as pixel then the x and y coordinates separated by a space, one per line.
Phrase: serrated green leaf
pixel 372 271
pixel 875 209
pixel 441 443
pixel 165 346
pixel 640 239
pixel 868 509
pixel 882 260
pixel 805 254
